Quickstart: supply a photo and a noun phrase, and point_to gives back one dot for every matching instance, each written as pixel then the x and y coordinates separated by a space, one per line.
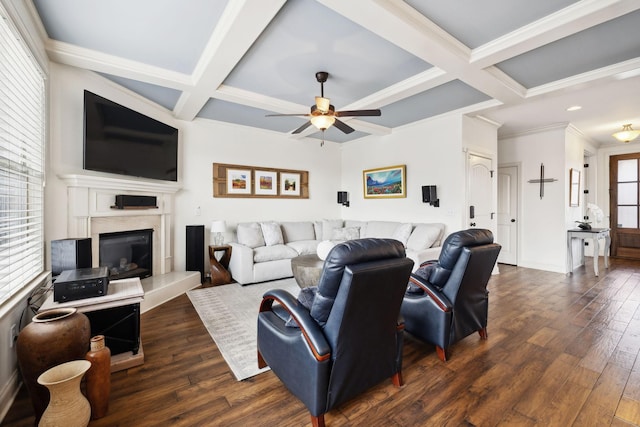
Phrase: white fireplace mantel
pixel 93 181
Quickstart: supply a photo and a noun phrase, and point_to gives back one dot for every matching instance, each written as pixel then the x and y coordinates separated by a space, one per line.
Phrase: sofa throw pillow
pixel 327 227
pixel 250 234
pixel 345 233
pixel 402 233
pixel 423 236
pixel 272 233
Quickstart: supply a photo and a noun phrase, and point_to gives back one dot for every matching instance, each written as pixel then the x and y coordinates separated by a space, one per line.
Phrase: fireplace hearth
pixel 127 253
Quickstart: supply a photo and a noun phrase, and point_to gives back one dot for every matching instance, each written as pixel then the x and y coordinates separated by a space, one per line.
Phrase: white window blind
pixel 22 100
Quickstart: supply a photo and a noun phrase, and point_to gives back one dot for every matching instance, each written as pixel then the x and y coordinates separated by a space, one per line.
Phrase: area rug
pixel 230 313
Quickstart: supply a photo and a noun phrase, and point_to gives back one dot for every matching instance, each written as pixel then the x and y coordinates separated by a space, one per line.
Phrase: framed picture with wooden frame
pixel 387 182
pixel 259 182
pixel 239 181
pixel 265 182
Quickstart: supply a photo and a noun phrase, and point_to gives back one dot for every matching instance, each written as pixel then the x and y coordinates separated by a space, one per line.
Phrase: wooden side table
pixel 219 273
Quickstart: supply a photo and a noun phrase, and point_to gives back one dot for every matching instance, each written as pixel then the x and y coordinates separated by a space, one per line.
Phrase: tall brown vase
pixel 99 377
pixel 53 337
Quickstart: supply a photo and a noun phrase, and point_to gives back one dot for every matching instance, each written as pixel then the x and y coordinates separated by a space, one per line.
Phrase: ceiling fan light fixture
pixel 322 122
pixel 323 104
pixel 627 134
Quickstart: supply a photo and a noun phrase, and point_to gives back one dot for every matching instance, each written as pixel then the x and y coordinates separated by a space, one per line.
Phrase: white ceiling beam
pixel 570 20
pixel 405 27
pixel 88 59
pixel 240 25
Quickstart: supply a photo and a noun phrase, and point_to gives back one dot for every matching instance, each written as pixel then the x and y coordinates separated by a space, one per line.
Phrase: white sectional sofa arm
pixel 241 263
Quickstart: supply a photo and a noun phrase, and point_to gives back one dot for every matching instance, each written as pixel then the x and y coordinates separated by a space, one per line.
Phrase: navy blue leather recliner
pixel 448 300
pixel 350 339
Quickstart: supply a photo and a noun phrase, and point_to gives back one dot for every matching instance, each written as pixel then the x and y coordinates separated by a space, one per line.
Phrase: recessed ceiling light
pixel 574 108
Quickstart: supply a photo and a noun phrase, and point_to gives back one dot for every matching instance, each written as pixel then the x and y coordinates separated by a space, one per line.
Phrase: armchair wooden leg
pixel 261 362
pixel 397 379
pixel 442 354
pixel 317 421
pixel 483 333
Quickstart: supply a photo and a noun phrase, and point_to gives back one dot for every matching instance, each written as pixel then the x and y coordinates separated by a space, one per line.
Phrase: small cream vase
pixel 67 406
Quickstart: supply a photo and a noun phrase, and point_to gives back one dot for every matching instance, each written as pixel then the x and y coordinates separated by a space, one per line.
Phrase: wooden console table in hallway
pixel 594 234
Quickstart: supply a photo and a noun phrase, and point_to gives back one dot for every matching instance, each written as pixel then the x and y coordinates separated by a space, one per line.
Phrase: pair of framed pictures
pixel 239 181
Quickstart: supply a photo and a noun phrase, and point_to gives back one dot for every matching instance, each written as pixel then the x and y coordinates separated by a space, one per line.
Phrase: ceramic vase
pixel 67 405
pixel 98 378
pixel 53 337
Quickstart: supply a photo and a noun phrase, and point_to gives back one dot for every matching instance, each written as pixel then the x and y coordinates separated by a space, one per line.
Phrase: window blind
pixel 22 101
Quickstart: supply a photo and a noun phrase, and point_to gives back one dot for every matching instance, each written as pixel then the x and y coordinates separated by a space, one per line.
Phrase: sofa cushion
pixel 362 225
pixel 324 247
pixel 300 230
pixel 402 233
pixel 423 237
pixel 272 233
pixel 327 227
pixel 380 229
pixel 304 247
pixel 272 253
pixel 345 233
pixel 250 234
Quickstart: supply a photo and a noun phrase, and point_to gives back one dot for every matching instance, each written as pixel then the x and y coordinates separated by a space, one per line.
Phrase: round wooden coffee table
pixel 307 270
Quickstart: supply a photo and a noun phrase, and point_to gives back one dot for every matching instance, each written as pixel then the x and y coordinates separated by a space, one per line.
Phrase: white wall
pixel 542 225
pixel 432 153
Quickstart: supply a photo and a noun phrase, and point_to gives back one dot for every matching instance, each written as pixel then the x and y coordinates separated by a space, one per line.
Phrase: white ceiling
pixel 519 63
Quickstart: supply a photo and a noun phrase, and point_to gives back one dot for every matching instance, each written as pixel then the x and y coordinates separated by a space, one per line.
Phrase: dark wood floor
pixel 562 351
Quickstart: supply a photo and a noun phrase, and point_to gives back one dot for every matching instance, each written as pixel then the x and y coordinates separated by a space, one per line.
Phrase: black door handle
pixel 513 220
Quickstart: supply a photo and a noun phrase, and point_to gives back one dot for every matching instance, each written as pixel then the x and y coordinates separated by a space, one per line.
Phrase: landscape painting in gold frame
pixel 385 182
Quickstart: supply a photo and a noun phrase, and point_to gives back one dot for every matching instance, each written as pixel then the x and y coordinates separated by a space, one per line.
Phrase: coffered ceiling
pixel 519 63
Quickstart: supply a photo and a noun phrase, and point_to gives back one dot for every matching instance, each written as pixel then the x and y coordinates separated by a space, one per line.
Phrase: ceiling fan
pixel 323 114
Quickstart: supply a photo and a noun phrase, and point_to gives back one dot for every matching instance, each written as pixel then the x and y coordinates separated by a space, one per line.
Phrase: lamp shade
pixel 627 134
pixel 218 226
pixel 322 122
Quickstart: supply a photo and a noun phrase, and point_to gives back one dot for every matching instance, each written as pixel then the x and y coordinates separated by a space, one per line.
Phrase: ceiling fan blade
pixel 343 126
pixel 301 128
pixel 285 115
pixel 358 113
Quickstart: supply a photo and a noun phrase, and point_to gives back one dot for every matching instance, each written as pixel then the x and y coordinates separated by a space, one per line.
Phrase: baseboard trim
pixel 8 393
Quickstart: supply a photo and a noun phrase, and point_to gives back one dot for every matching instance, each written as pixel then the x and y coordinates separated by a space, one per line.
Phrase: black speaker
pixel 425 193
pixel 195 249
pixel 124 201
pixel 70 254
pixel 342 196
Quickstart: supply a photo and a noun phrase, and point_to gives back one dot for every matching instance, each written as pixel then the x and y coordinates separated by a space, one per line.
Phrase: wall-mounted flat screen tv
pixel 122 141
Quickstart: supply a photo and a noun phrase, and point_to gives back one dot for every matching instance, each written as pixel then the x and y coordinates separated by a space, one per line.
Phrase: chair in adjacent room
pixel 349 338
pixel 448 300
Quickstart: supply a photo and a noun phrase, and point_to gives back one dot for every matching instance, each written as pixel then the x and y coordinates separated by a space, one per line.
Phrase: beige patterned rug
pixel 230 313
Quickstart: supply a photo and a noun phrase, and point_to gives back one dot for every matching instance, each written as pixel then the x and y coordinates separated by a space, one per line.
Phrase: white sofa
pixel 263 251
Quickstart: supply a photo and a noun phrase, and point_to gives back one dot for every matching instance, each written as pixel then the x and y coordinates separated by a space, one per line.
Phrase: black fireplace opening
pixel 127 253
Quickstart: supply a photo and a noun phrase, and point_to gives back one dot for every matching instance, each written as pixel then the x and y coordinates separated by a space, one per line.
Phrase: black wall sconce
pixel 430 195
pixel 343 198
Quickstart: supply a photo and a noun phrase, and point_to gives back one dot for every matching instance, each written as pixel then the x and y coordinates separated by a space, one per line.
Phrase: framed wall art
pixel 574 187
pixel 266 182
pixel 289 184
pixel 241 181
pixel 385 182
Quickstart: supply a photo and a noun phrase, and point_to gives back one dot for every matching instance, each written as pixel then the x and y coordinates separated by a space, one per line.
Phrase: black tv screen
pixel 122 141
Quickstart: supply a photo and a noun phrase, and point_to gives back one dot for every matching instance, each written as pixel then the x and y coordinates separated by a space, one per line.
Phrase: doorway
pixel 624 204
pixel 508 184
pixel 481 196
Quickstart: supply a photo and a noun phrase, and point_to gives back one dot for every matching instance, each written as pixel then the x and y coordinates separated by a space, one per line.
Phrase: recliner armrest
pixel 310 329
pixel 432 292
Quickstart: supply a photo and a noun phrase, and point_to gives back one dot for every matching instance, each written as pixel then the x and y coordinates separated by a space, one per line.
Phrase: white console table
pixel 123 295
pixel 594 234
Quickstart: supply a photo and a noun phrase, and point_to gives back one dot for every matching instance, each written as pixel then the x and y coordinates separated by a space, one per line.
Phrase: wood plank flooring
pixel 562 351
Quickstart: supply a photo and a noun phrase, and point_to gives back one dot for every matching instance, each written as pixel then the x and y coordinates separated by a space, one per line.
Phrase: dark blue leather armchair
pixel 350 339
pixel 448 300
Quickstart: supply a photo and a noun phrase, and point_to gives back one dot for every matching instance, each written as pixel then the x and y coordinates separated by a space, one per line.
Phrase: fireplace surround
pixel 91 212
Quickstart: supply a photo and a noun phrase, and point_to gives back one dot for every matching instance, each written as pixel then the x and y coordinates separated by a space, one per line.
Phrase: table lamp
pixel 218 227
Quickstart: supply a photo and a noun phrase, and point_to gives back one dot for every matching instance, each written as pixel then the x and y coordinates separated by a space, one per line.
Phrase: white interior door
pixel 480 213
pixel 508 214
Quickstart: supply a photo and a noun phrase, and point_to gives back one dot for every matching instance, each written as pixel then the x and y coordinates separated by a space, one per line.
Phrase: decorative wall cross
pixel 542 180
